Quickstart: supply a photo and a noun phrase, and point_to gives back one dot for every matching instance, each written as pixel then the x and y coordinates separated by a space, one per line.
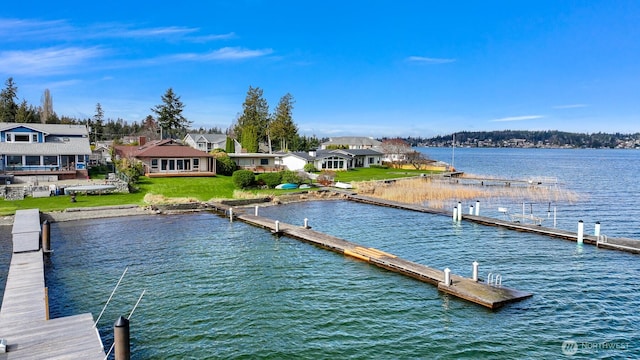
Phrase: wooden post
pixel 46 303
pixel 121 339
pixel 46 237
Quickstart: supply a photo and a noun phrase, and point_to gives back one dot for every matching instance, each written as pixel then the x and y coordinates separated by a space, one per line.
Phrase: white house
pixel 350 142
pixel 335 160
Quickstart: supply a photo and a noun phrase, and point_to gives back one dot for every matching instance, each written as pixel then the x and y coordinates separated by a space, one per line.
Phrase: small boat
pixel 342 185
pixel 287 186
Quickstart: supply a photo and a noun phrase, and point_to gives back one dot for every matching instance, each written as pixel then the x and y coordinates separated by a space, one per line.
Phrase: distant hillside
pixel 531 139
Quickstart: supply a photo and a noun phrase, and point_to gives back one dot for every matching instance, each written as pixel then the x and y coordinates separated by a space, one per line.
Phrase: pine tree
pixel 8 105
pixel 169 115
pixel 282 127
pixel 255 116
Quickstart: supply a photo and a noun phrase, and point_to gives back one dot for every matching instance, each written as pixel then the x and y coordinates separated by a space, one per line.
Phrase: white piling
pixel 277 226
pixel 459 211
pixel 580 232
pixel 455 213
pixel 447 276
pixel 596 231
pixel 231 214
pixel 477 207
pixel 474 274
pixel 306 223
pixel 470 209
pixel 555 222
pixel 256 211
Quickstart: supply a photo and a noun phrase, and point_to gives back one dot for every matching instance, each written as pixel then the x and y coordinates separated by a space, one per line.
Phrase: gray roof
pixel 49 129
pixel 320 154
pixel 352 140
pixel 59 146
pixel 361 152
pixel 211 138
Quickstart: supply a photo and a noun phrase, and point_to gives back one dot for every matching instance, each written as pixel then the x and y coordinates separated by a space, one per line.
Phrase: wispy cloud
pixel 518 118
pixel 47 61
pixel 429 60
pixel 570 106
pixel 226 53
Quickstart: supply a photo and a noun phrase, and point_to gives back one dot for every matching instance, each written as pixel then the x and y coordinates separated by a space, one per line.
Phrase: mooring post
pixel 46 237
pixel 596 231
pixel 306 223
pixel 470 209
pixel 455 213
pixel 256 211
pixel 477 207
pixel 121 339
pixel 447 276
pixel 580 232
pixel 277 226
pixel 230 214
pixel 459 211
pixel 474 274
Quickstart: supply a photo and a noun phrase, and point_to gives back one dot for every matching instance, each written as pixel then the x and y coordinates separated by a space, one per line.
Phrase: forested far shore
pixel 529 139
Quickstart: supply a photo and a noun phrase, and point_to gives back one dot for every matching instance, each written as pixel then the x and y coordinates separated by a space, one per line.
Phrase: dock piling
pixel 470 209
pixel 459 211
pixel 596 231
pixel 580 232
pixel 306 223
pixel 46 237
pixel 447 276
pixel 455 213
pixel 277 226
pixel 256 211
pixel 477 207
pixel 121 339
pixel 230 214
pixel 474 275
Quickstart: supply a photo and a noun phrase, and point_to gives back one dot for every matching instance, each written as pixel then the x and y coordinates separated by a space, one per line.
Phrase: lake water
pixel 221 290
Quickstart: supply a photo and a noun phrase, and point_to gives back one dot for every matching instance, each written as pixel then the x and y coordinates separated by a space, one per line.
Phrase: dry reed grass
pixel 442 194
pixel 155 199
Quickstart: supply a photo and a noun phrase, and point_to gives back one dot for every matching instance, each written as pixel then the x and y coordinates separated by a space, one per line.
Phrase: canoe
pixel 287 186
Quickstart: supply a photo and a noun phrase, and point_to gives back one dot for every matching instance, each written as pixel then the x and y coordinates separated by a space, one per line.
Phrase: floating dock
pixel 24 316
pixel 481 293
pixel 620 244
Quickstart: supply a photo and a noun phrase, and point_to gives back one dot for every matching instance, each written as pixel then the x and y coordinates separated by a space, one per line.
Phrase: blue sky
pixel 368 68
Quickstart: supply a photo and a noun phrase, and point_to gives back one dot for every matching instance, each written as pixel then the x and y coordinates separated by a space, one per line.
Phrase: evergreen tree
pixel 230 146
pixel 282 127
pixel 8 105
pixel 26 113
pixel 255 116
pixel 98 123
pixel 169 114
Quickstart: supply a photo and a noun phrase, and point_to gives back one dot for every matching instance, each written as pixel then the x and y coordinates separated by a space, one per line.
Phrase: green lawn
pixel 199 188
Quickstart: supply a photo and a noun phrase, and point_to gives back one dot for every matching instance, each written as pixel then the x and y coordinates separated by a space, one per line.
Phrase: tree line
pixel 505 138
pixel 255 128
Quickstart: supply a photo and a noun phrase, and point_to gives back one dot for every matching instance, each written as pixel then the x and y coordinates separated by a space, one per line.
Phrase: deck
pixel 480 293
pixel 24 322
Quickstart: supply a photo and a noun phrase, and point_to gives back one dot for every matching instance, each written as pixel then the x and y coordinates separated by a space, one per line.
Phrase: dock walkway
pixel 620 244
pixel 481 293
pixel 24 316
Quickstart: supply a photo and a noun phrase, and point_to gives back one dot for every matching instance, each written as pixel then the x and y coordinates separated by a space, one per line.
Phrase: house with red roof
pixel 168 158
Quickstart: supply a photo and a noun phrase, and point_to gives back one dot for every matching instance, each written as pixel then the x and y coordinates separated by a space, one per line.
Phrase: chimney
pixel 312 152
pixel 142 140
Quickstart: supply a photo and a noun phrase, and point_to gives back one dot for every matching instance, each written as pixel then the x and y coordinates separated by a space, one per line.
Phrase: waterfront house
pixel 258 162
pixel 208 142
pixel 60 151
pixel 169 158
pixel 335 160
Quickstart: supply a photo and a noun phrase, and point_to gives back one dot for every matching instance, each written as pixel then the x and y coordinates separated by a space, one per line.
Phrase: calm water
pixel 223 290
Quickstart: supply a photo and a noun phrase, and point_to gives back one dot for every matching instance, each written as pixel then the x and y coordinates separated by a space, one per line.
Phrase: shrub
pixel 310 168
pixel 270 179
pixel 243 178
pixel 224 164
pixel 292 177
pixel 376 166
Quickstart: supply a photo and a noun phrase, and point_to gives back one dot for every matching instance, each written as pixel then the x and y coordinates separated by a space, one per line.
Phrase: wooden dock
pixel 481 293
pixel 620 244
pixel 24 316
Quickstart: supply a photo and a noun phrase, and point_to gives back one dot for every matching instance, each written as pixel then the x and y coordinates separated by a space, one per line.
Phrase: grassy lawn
pixel 366 174
pixel 202 189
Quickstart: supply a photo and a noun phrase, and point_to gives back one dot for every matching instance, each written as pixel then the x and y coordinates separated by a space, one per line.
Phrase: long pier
pixel 490 296
pixel 25 328
pixel 612 243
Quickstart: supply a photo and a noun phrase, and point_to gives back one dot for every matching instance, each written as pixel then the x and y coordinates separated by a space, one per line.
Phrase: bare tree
pixel 396 150
pixel 46 110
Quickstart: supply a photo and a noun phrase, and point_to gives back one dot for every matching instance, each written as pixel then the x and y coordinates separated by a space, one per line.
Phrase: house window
pixel 180 164
pixel 13 160
pixel 80 159
pixel 264 161
pixel 33 160
pixel 50 160
pixel 172 165
pixel 196 164
pixel 187 164
pixel 21 137
pixel 154 164
pixel 34 138
pixel 163 164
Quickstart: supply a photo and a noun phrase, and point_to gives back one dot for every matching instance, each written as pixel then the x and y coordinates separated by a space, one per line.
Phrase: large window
pixel 13 160
pixel 264 161
pixel 22 137
pixel 33 160
pixel 50 160
pixel 196 164
pixel 154 164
